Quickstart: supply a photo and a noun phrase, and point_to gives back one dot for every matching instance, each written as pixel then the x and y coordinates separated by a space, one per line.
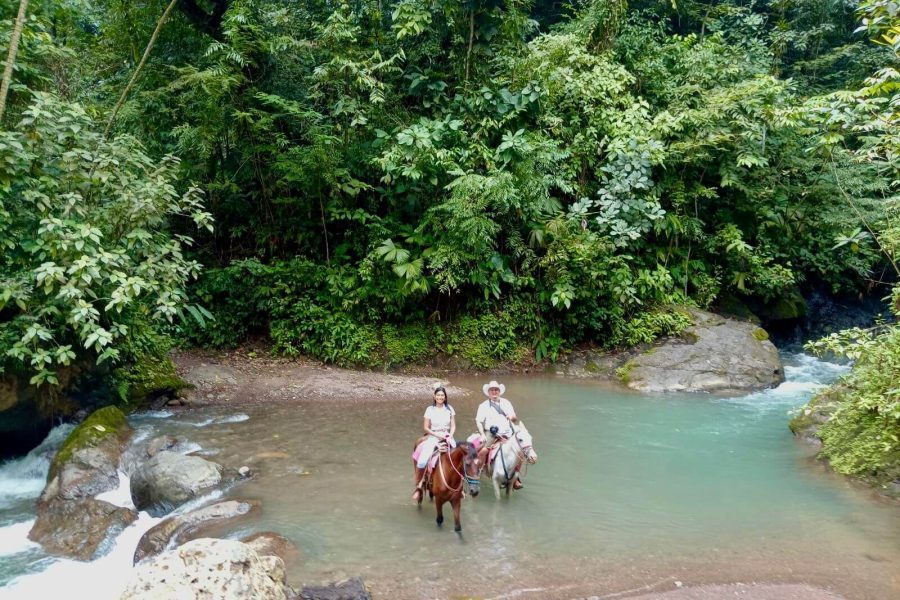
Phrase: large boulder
pixel 208 568
pixel 70 521
pixel 182 528
pixel 87 463
pixel 168 480
pixel 716 354
pixel 82 529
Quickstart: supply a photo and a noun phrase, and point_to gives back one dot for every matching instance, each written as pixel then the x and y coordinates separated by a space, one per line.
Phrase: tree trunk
pixel 140 66
pixel 11 58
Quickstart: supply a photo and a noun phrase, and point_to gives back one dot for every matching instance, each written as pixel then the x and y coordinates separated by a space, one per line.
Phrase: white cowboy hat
pixel 493 384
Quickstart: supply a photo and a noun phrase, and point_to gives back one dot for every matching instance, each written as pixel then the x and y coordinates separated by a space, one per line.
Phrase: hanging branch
pixel 11 58
pixel 140 66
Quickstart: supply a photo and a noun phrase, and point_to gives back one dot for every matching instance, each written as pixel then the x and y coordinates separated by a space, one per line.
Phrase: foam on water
pixel 157 414
pixel 105 577
pixel 14 538
pixel 238 418
pixel 24 478
pixel 804 375
pixel 121 496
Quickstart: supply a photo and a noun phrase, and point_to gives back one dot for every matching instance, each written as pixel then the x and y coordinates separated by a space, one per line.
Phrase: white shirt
pixel 440 417
pixel 488 416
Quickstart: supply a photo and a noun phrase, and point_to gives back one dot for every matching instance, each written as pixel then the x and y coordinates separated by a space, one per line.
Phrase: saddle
pixel 494 449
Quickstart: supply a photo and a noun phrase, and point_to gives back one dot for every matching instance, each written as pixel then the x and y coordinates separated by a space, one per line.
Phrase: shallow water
pixel 630 492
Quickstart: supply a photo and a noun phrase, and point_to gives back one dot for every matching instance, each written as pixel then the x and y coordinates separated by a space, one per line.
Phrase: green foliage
pixel 488 340
pixel 520 181
pixel 87 267
pixel 862 434
pixel 409 344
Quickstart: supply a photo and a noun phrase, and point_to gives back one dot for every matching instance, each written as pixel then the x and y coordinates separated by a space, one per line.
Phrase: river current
pixel 631 492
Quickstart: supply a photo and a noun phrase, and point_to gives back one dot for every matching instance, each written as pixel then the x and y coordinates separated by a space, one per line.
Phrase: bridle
pixel 464 477
pixel 521 453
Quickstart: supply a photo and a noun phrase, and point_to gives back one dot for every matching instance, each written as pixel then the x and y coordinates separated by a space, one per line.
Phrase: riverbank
pixel 252 376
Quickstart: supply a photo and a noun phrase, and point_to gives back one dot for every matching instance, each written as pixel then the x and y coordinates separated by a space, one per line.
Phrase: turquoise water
pixel 629 489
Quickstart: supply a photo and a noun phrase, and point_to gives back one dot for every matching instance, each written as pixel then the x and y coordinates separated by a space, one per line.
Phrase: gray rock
pixel 351 589
pixel 244 472
pixel 714 355
pixel 183 528
pixel 160 443
pixel 81 529
pixel 208 568
pixel 168 480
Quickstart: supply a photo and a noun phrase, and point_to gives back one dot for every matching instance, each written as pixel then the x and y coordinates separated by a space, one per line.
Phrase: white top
pixel 439 416
pixel 488 416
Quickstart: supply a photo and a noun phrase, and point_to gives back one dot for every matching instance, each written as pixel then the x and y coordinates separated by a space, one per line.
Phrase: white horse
pixel 509 457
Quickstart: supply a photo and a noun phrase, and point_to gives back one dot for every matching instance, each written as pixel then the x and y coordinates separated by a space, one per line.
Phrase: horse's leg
pixel 439 506
pixel 455 504
pixel 495 479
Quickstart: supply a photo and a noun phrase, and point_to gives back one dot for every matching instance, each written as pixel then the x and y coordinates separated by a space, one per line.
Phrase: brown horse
pixel 453 470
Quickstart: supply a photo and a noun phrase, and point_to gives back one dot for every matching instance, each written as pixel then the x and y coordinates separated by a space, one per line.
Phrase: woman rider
pixel 439 425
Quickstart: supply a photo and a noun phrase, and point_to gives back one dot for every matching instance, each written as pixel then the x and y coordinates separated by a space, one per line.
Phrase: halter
pixel 520 453
pixel 464 478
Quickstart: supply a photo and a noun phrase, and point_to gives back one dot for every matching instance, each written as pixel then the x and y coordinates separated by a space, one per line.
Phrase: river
pixel 630 492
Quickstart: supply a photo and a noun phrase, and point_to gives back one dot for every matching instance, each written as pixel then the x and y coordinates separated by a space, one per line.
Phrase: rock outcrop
pixel 168 480
pixel 208 568
pixel 182 528
pixel 714 355
pixel 70 521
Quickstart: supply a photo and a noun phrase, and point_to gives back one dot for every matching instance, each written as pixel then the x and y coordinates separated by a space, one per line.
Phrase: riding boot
pixel 420 481
pixel 518 485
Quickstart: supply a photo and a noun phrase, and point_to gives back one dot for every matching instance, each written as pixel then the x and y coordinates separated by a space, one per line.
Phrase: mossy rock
pixel 149 378
pixel 790 306
pixel 732 306
pixel 101 425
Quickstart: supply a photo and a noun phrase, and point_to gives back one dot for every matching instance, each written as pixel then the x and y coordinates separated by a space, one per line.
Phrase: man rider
pixel 497 412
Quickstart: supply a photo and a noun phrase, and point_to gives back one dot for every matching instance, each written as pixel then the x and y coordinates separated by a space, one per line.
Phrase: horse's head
pixel 471 468
pixel 526 443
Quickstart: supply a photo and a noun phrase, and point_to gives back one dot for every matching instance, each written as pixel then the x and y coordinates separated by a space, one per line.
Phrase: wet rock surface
pixel 70 521
pixel 168 480
pixel 81 529
pixel 179 529
pixel 208 568
pixel 269 543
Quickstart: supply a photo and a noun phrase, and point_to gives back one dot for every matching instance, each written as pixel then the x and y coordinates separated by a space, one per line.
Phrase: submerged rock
pixel 714 355
pixel 351 589
pixel 168 480
pixel 81 529
pixel 269 543
pixel 208 568
pixel 182 528
pixel 70 522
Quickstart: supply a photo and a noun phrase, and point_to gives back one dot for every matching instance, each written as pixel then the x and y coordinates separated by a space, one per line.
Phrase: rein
pixel 464 479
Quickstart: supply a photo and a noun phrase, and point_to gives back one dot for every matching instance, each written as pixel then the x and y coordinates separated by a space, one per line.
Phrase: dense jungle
pixel 382 184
